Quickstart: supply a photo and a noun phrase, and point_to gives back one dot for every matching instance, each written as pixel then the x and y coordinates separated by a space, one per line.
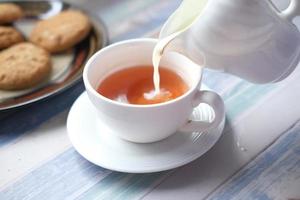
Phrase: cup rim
pixel 89 87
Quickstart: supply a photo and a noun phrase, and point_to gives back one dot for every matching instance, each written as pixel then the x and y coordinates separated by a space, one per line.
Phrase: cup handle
pixel 216 102
pixel 292 11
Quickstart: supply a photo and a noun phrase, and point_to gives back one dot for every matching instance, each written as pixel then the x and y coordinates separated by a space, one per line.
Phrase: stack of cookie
pixel 26 64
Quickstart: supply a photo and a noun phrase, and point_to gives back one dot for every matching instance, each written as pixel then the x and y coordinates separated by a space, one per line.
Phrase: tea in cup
pixel 134 85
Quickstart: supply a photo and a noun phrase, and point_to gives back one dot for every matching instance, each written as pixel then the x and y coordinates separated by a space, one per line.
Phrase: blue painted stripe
pixel 218 80
pixel 239 87
pixel 260 196
pixel 57 179
pixel 256 180
pixel 120 10
pixel 68 173
pixel 243 100
pixel 241 96
pixel 120 186
pixel 138 188
pixel 154 22
pixel 31 116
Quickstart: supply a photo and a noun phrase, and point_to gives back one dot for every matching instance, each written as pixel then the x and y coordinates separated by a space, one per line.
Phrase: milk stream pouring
pixel 181 20
pixel 250 39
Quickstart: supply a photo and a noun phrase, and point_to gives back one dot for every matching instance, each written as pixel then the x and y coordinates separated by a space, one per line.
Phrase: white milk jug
pixel 247 38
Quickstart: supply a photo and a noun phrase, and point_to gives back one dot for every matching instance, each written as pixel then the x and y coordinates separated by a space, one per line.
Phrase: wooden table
pixel 37 160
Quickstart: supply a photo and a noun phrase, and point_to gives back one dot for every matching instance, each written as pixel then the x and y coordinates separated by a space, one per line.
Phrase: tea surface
pixel 134 85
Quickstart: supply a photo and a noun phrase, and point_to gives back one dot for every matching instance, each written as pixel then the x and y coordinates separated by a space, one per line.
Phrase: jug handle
pixel 292 11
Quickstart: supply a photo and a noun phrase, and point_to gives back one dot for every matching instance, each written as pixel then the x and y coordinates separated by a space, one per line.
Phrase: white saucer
pixel 95 142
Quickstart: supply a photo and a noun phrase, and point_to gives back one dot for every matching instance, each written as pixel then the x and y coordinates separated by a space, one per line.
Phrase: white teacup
pixel 148 123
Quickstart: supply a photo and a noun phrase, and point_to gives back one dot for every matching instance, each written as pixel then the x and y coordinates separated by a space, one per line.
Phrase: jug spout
pixel 181 45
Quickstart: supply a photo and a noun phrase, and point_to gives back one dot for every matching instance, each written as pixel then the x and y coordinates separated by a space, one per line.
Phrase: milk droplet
pixel 240 146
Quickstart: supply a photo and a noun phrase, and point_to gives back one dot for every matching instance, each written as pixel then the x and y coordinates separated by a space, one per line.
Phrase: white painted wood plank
pixel 32 149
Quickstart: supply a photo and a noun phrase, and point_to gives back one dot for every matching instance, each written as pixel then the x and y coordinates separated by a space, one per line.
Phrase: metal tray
pixel 67 67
